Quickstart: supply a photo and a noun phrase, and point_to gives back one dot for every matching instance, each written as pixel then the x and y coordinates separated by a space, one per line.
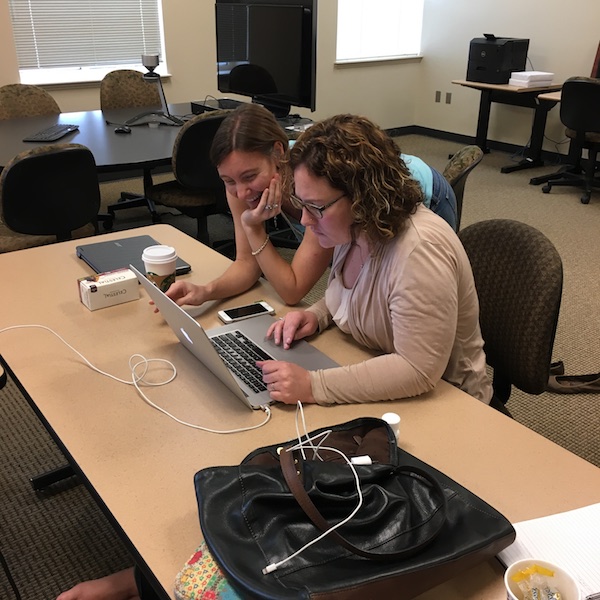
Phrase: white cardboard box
pixel 108 289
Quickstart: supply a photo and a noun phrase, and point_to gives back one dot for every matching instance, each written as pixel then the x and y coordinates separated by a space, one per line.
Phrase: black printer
pixel 492 59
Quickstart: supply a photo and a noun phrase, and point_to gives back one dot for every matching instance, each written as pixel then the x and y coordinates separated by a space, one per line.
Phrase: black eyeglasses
pixel 312 209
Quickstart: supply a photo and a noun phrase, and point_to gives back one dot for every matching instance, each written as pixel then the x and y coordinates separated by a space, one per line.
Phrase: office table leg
pixel 483 120
pixel 533 157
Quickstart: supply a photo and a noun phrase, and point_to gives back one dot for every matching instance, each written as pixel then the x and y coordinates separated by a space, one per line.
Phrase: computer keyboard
pixel 51 134
pixel 240 354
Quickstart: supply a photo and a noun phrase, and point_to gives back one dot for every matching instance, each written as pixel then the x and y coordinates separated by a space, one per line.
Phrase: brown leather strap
pixel 291 466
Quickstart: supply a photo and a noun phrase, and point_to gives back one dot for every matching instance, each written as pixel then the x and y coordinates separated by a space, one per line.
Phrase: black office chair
pixel 127 88
pixel 580 114
pixel 253 79
pixel 456 172
pixel 197 190
pixel 518 275
pixel 51 191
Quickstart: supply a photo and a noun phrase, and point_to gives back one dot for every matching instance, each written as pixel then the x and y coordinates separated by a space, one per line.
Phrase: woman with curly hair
pixel 400 280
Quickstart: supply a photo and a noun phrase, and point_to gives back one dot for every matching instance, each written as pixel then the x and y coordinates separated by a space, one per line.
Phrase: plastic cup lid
pixel 159 254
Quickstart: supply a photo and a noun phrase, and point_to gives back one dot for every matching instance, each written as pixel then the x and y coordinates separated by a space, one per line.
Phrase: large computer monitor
pixel 267 49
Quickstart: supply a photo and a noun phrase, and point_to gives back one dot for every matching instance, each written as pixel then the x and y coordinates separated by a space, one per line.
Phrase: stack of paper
pixel 570 539
pixel 530 79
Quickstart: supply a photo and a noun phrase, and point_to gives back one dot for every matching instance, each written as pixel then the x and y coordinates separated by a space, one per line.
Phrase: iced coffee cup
pixel 160 264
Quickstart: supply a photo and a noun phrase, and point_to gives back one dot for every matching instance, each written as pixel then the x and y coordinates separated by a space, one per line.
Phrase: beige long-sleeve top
pixel 415 301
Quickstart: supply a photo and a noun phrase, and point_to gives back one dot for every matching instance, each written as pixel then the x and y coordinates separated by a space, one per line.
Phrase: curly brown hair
pixel 252 128
pixel 362 160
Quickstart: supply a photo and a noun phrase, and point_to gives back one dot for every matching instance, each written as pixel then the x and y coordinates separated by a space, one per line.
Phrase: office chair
pixel 49 191
pixel 253 79
pixel 518 275
pixel 21 100
pixel 456 172
pixel 579 113
pixel 197 190
pixel 127 88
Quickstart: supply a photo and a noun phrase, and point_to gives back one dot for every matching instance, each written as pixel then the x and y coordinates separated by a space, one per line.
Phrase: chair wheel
pixel 546 189
pixel 585 199
pixel 107 224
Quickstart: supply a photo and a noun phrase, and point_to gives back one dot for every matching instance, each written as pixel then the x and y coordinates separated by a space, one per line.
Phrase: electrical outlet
pixel 438 96
pixel 448 97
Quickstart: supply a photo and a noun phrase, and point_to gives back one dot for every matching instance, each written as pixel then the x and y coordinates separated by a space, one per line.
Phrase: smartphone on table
pixel 239 313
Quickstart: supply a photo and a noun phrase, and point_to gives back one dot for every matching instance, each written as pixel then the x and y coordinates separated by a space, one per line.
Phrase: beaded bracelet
pixel 263 246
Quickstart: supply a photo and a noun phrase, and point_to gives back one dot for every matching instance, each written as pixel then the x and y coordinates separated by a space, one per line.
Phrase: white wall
pixel 563 39
pixel 393 94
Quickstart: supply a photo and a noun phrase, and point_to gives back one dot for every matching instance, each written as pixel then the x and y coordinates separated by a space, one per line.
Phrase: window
pixel 80 40
pixel 369 30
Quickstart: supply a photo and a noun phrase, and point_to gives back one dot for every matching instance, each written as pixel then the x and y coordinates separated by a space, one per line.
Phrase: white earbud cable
pixel 136 379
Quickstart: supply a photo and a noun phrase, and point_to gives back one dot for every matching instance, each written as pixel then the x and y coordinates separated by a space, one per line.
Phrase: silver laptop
pixel 230 352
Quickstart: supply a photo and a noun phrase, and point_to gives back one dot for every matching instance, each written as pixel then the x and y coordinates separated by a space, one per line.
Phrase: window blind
pixel 378 29
pixel 84 33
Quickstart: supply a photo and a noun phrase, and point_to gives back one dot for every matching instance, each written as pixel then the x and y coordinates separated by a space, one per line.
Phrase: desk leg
pixel 533 157
pixel 483 120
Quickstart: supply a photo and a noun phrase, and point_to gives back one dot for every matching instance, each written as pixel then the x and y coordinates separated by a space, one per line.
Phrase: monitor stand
pixel 279 109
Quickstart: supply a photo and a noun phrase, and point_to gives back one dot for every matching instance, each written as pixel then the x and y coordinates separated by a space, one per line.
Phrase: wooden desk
pixel 514 96
pixel 143 148
pixel 551 96
pixel 140 464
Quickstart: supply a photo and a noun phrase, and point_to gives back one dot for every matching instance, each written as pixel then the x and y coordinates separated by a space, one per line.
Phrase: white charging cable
pixel 309 442
pixel 136 379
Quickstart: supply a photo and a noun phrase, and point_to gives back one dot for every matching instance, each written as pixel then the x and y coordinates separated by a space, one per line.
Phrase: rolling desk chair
pixel 52 191
pixel 580 114
pixel 456 172
pixel 518 276
pixel 197 190
pixel 127 88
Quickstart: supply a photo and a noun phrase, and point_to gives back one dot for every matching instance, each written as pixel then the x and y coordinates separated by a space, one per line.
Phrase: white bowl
pixel 565 582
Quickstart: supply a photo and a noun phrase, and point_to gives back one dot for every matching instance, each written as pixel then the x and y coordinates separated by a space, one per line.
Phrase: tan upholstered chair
pixel 20 100
pixel 456 172
pixel 197 190
pixel 126 88
pixel 518 275
pixel 48 194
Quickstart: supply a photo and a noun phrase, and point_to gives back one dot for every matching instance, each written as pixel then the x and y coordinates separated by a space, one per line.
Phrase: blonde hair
pixel 362 160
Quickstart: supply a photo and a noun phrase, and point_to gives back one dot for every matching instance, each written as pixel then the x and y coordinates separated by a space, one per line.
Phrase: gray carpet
pixel 55 541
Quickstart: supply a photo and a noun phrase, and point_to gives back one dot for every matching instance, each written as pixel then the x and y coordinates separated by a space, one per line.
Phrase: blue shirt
pixel 420 171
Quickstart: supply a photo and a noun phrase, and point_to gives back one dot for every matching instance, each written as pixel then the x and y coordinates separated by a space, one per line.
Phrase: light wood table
pixel 140 465
pixel 514 96
pixel 551 96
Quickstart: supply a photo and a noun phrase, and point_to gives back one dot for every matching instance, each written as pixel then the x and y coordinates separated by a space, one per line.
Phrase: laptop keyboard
pixel 240 354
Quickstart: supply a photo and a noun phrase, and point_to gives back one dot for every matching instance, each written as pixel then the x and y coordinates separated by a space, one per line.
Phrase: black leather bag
pixel 415 529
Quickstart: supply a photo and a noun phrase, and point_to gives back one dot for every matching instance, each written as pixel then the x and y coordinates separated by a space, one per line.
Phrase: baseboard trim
pixel 549 157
